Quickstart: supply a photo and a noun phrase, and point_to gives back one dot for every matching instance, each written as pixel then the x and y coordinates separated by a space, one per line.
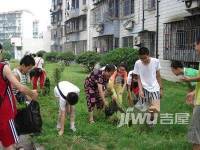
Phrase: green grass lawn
pixel 105 135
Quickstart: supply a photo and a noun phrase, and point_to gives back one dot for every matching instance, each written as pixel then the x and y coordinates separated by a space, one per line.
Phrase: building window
pixel 179 39
pixel 128 7
pixel 84 22
pixel 75 4
pixel 116 8
pixel 84 2
pixel 150 4
pixel 116 42
pixel 128 41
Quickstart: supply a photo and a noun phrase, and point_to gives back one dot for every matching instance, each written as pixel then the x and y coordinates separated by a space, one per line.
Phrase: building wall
pixel 170 10
pixel 27 24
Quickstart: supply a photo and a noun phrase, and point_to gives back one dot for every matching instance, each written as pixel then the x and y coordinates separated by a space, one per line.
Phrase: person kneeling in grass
pixel 67 95
pixel 117 84
pixel 95 85
pixel 194 130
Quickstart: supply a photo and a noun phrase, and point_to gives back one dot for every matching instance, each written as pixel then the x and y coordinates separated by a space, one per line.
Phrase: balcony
pixel 56 8
pixel 74 13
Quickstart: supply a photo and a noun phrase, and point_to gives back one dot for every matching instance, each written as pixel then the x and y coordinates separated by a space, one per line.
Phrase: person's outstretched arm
pixel 9 75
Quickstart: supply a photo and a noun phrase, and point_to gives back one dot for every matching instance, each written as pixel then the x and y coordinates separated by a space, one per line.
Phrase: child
pixel 67 95
pixel 95 85
pixel 178 69
pixel 194 130
pixel 133 88
pixel 117 84
pixel 149 81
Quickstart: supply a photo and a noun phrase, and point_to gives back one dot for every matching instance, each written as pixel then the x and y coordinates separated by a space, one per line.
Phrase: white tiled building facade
pixel 101 25
pixel 19 23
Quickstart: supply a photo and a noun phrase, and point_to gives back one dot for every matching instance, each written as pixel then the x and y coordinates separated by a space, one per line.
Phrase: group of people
pixel 143 84
pixel 144 87
pixel 13 84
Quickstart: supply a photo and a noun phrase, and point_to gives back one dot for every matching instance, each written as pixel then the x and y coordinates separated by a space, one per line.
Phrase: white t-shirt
pixel 39 62
pixel 65 87
pixel 147 74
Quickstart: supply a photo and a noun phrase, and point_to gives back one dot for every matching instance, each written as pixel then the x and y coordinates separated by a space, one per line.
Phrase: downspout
pixel 157 27
pixel 143 15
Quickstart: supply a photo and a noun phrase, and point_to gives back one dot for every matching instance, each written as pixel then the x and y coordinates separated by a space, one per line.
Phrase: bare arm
pixel 101 92
pixel 195 79
pixel 159 82
pixel 13 80
pixel 141 93
pixel 159 79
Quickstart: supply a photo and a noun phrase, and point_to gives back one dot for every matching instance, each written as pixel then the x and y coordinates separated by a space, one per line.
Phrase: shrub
pixel 41 52
pixel 51 56
pixel 67 57
pixel 88 59
pixel 119 55
pixel 57 75
pixel 6 55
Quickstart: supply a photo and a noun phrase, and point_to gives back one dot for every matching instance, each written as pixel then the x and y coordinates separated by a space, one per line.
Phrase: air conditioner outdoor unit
pixel 192 4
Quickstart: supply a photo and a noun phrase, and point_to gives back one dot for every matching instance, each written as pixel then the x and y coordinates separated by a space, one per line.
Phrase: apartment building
pixel 75 26
pixel 20 23
pixel 168 28
pixel 57 23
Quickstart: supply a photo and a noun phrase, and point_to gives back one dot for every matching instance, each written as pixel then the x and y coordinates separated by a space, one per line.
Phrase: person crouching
pixel 67 95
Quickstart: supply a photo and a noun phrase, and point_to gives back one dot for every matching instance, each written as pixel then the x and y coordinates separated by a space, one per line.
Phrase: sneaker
pixel 73 129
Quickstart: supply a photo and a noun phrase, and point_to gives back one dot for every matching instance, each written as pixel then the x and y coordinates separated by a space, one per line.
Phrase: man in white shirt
pixel 67 95
pixel 149 80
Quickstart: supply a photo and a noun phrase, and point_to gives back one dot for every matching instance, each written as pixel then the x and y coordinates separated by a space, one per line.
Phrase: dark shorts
pixel 194 129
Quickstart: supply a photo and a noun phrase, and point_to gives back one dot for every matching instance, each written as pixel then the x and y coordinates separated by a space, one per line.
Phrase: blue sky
pixel 40 9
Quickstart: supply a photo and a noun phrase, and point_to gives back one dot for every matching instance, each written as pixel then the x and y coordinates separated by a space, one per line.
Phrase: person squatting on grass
pixel 149 81
pixel 39 72
pixel 95 85
pixel 117 84
pixel 67 95
pixel 194 129
pixel 133 88
pixel 8 135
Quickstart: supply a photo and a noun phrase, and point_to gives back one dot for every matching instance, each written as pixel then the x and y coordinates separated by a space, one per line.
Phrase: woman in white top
pixel 67 95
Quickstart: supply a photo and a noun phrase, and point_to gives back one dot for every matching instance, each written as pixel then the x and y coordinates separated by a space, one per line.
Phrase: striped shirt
pixel 23 79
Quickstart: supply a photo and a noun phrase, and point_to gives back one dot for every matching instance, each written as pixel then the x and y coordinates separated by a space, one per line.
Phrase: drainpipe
pixel 157 27
pixel 143 15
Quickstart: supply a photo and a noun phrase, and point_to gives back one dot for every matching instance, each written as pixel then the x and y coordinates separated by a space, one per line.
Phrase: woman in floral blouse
pixel 95 85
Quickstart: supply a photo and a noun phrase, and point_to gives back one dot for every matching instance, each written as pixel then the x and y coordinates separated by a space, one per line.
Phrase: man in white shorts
pixel 67 95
